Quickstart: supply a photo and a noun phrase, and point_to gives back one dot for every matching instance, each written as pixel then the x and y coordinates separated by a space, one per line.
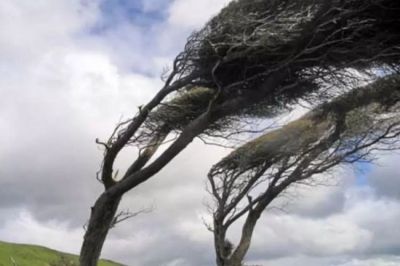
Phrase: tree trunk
pixel 219 245
pixel 100 222
pixel 240 252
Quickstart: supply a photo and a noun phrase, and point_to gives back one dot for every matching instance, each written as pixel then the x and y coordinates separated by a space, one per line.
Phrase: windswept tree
pixel 253 59
pixel 343 131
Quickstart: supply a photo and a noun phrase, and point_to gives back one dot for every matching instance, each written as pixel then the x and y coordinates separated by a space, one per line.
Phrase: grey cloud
pixel 367 227
pixel 55 102
pixel 385 177
pixel 317 201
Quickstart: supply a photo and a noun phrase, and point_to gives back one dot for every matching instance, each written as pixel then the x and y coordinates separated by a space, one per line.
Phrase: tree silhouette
pixel 345 130
pixel 254 59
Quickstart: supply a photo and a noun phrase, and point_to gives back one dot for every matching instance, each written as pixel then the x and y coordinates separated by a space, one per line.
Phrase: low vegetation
pixel 31 255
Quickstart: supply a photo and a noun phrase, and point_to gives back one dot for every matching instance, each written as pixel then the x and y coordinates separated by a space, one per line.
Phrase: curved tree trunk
pixel 101 220
pixel 240 252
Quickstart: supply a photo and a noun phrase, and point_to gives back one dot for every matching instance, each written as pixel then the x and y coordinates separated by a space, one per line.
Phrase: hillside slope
pixel 31 255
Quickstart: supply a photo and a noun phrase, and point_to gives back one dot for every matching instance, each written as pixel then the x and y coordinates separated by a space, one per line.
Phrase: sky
pixel 71 69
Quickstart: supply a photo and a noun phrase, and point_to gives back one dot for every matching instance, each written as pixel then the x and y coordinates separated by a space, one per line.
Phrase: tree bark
pixel 100 222
pixel 240 252
pixel 219 244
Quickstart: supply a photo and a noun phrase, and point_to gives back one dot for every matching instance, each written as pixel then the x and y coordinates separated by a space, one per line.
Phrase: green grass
pixel 31 255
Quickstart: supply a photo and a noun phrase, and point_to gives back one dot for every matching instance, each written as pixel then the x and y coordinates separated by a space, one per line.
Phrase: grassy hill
pixel 31 255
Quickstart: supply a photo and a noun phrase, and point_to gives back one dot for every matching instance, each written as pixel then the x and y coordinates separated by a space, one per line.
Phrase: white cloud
pixel 319 237
pixel 29 28
pixel 23 228
pixel 388 261
pixel 193 14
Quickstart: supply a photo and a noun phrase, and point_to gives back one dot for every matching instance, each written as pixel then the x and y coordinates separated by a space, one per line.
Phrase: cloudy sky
pixel 70 69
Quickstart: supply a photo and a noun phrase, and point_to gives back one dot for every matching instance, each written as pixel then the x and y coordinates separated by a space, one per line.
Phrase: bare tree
pixel 343 131
pixel 253 59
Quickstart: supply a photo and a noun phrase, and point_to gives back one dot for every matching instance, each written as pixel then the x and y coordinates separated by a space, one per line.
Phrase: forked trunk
pixel 101 219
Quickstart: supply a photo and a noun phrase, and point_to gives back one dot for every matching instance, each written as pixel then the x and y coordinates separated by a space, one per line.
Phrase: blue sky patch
pixel 116 12
pixel 362 171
